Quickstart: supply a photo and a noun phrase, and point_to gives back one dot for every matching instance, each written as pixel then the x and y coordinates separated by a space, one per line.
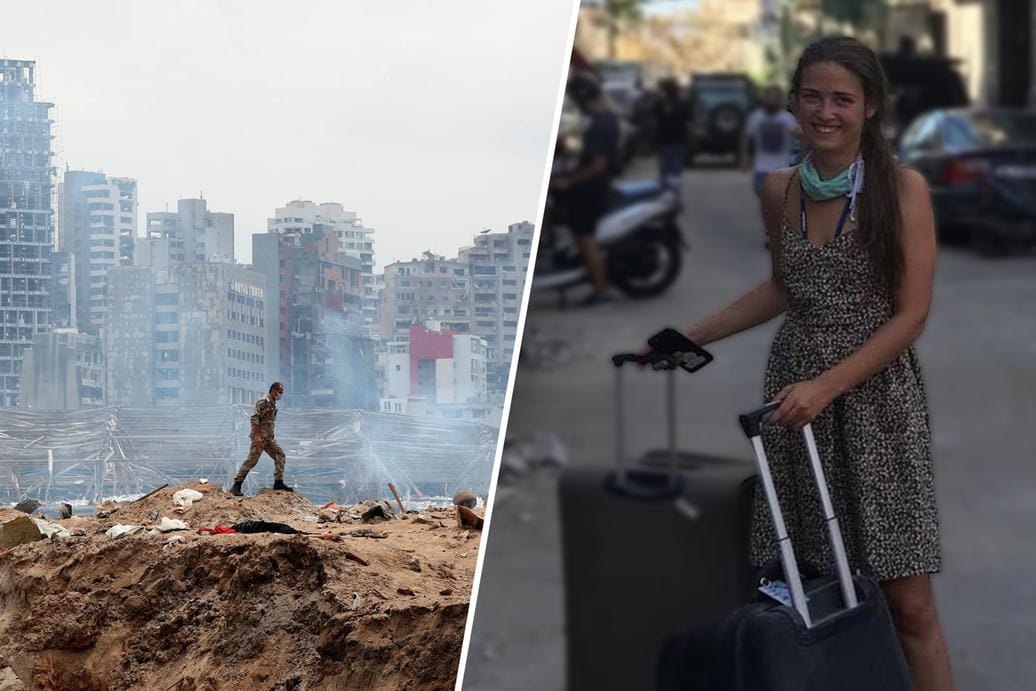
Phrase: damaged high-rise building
pixel 62 370
pixel 195 334
pixel 190 234
pixel 315 317
pixel 479 292
pixel 26 223
pixel 97 224
pixel 354 240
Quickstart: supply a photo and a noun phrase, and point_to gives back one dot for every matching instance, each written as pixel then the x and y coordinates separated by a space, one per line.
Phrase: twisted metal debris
pixel 81 457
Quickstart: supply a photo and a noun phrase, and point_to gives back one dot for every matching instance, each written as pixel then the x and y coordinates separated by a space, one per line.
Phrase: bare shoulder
pixel 912 185
pixel 777 182
pixel 775 187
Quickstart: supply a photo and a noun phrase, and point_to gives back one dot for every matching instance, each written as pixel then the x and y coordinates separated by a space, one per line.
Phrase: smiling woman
pixel 843 360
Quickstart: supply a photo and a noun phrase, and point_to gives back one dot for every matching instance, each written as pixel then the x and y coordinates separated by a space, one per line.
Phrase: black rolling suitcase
pixel 647 549
pixel 836 633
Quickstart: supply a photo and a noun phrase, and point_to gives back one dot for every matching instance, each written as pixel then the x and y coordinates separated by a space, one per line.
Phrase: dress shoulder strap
pixel 787 193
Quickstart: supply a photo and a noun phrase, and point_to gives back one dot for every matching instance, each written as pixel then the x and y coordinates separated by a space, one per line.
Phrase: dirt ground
pixel 384 608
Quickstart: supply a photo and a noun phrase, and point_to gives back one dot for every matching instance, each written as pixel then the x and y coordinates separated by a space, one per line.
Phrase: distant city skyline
pixel 430 121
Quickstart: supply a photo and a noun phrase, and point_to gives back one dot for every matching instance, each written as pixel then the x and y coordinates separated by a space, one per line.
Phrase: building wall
pixel 324 356
pixel 469 357
pixel 63 290
pixel 26 222
pixel 480 292
pixel 191 234
pixel 196 335
pixel 355 240
pixel 266 261
pixel 129 339
pixel 397 368
pixel 62 370
pixel 498 264
pixel 98 225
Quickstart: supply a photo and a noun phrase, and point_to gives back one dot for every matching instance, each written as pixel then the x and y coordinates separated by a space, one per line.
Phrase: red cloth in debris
pixel 218 530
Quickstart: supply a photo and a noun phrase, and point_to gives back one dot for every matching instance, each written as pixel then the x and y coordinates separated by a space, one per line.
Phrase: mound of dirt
pixel 379 605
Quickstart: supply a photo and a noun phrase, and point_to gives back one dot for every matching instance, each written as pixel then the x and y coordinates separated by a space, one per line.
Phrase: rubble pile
pixel 344 602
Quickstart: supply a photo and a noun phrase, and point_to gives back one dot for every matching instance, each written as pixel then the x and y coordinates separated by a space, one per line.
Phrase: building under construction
pixel 25 218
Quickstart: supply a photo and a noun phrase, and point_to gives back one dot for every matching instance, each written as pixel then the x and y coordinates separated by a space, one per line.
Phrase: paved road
pixel 979 358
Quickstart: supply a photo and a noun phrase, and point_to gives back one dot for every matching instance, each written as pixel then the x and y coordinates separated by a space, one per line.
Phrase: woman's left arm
pixel 803 401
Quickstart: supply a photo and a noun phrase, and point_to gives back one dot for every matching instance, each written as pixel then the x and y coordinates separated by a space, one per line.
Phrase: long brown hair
pixel 878 205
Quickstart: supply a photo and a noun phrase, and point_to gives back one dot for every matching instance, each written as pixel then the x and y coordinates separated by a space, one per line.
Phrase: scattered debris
pixel 27 505
pixel 329 516
pixel 468 518
pixel 265 527
pixel 371 510
pixel 149 494
pixel 175 599
pixel 48 529
pixel 170 524
pixel 18 531
pixel 395 494
pixel 9 681
pixel 216 530
pixel 106 509
pixel 187 497
pixel 466 498
pixel 446 591
pixel 174 540
pixel 119 530
pixel 405 591
pixel 357 558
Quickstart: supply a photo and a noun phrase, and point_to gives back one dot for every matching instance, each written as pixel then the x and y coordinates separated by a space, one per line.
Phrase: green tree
pixel 615 16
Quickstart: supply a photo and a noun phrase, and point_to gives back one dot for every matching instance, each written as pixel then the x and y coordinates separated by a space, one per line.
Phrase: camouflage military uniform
pixel 264 417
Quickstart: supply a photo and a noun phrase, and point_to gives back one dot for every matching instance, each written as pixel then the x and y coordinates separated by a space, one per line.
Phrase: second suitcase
pixel 836 633
pixel 647 549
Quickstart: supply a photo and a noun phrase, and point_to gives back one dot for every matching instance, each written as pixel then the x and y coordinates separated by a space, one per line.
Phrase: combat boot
pixel 279 484
pixel 236 490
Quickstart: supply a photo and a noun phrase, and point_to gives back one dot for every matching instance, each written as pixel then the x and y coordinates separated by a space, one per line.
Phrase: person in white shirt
pixel 769 137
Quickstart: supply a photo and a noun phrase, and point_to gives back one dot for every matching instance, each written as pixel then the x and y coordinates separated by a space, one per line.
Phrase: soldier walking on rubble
pixel 262 440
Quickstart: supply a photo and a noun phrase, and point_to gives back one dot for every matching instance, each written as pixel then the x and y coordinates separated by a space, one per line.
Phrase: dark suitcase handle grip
pixel 619 359
pixel 647 485
pixel 750 420
pixel 654 358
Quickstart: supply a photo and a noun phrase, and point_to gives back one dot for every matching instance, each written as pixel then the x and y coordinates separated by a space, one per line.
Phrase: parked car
pixel 720 104
pixel 981 167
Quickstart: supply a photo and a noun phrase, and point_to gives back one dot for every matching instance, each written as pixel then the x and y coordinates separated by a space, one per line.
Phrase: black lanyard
pixel 841 219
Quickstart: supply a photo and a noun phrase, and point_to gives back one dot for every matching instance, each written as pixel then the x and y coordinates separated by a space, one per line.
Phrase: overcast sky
pixel 430 119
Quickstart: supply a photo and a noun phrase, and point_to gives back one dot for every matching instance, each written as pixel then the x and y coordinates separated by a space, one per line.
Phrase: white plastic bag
pixel 186 497
pixel 171 524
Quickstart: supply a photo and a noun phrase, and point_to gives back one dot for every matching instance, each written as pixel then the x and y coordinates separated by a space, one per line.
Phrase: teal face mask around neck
pixel 848 183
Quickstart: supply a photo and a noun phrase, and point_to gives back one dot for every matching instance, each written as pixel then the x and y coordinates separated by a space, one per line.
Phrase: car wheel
pixel 726 121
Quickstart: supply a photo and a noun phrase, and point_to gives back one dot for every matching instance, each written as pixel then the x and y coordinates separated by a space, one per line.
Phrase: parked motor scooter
pixel 639 237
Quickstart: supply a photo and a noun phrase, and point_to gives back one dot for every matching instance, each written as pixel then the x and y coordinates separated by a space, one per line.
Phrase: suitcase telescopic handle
pixel 751 424
pixel 653 358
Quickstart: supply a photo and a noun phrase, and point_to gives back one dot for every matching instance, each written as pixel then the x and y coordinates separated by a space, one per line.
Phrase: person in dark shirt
pixel 587 188
pixel 671 113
